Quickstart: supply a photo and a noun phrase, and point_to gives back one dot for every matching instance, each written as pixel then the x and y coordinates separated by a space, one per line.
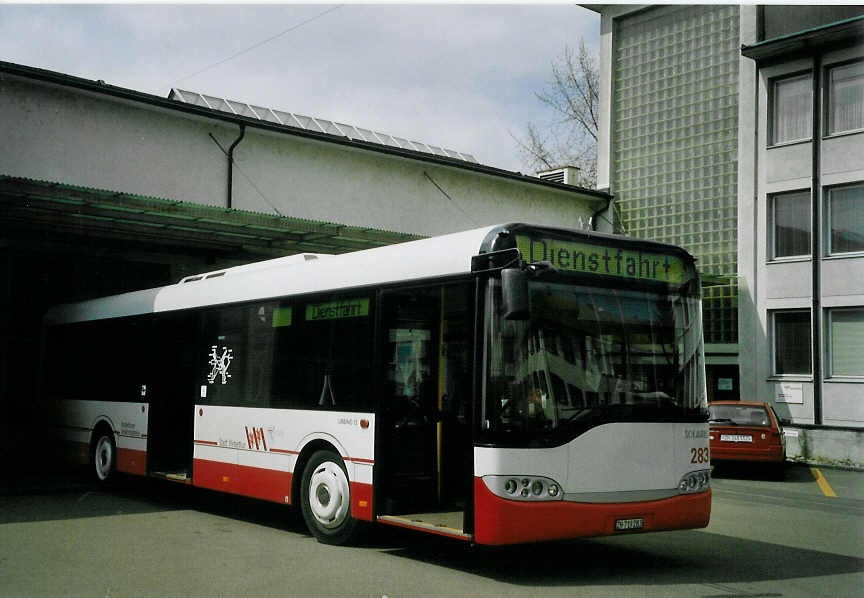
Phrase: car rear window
pixel 739 415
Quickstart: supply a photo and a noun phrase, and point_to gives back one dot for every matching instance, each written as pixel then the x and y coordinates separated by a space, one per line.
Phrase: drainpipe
pixel 816 242
pixel 231 165
pixel 601 210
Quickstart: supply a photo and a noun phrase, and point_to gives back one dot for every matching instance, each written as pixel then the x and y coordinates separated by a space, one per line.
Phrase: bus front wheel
pixel 103 456
pixel 325 498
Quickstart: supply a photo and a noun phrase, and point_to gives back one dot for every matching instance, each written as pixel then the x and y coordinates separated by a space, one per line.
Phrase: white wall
pixel 749 325
pixel 64 135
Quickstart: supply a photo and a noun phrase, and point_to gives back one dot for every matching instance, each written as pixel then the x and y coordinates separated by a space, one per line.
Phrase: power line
pixel 259 44
pixel 447 195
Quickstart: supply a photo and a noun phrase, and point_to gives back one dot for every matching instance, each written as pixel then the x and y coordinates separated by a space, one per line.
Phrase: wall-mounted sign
pixel 724 384
pixel 789 392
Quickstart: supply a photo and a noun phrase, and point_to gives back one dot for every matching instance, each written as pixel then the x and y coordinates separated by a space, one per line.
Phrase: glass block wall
pixel 675 141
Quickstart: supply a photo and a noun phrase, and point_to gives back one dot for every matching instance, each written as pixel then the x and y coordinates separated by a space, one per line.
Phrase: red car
pixel 746 431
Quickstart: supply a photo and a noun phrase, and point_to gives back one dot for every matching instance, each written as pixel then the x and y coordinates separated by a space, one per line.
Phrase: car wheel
pixel 103 457
pixel 325 499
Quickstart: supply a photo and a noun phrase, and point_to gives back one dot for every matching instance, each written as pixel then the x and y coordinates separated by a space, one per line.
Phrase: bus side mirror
pixel 514 291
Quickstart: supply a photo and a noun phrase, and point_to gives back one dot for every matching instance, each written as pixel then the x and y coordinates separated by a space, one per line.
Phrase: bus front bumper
pixel 501 521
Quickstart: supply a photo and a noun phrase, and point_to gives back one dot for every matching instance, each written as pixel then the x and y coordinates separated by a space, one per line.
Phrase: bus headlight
pixel 523 488
pixel 695 481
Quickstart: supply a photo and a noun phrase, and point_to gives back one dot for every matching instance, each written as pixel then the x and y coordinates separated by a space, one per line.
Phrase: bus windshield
pixel 590 355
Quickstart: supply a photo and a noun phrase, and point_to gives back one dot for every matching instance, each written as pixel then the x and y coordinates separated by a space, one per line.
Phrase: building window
pixel 846 98
pixel 791 342
pixel 791 109
pixel 846 341
pixel 790 224
pixel 846 219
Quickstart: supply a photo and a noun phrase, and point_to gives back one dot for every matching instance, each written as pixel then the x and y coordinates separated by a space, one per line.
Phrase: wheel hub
pixel 329 495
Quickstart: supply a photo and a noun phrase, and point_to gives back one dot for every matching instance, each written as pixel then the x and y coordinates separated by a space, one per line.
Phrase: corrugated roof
pixel 57 205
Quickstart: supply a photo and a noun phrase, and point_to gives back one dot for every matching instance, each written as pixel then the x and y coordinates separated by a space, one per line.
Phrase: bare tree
pixel 573 94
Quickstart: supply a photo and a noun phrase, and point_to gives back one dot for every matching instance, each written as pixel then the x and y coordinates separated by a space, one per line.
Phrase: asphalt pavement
pixel 60 536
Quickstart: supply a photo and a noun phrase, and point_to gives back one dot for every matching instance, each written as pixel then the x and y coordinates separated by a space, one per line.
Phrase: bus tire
pixel 103 455
pixel 325 498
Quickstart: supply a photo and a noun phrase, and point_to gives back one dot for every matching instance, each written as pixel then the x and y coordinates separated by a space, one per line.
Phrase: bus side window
pixel 236 356
pixel 100 360
pixel 323 354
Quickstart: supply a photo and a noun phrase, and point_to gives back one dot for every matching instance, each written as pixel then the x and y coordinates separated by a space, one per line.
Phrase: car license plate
pixel 736 438
pixel 626 525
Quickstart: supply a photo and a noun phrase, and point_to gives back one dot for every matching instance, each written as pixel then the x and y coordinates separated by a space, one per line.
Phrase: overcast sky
pixel 461 77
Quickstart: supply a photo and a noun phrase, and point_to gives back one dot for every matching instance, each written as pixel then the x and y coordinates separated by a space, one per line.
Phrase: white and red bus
pixel 508 384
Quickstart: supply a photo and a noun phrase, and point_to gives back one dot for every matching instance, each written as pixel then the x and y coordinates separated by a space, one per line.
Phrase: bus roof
pixel 435 257
pixel 444 255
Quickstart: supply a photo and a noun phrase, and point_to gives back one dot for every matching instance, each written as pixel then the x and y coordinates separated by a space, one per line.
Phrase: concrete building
pixel 105 190
pixel 801 222
pixel 738 133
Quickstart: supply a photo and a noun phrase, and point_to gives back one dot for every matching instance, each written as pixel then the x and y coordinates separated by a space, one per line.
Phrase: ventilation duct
pixel 565 175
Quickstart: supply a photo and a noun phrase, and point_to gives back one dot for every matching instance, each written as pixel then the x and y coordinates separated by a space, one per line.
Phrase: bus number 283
pixel 699 455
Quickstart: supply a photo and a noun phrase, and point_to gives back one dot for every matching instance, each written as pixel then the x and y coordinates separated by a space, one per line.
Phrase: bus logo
pixel 255 438
pixel 219 364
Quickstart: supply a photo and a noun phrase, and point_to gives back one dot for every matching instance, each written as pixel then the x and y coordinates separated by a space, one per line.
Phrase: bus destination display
pixel 588 258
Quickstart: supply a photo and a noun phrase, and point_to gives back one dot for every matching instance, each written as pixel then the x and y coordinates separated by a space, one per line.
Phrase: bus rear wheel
pixel 103 457
pixel 325 499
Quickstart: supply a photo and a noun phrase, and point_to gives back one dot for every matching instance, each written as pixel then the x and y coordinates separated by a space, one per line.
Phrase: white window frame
pixel 772 317
pixel 829 100
pixel 829 342
pixel 829 250
pixel 774 113
pixel 772 226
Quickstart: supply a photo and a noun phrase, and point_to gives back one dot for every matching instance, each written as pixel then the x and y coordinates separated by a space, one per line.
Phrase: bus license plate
pixel 736 438
pixel 626 525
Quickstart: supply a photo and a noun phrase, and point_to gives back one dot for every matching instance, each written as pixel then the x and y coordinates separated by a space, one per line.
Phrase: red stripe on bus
pixel 132 461
pixel 283 451
pixel 267 484
pixel 501 521
pixel 290 452
pixel 257 482
pixel 361 501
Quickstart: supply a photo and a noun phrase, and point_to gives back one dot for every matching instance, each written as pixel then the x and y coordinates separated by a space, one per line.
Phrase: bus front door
pixel 171 396
pixel 425 431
